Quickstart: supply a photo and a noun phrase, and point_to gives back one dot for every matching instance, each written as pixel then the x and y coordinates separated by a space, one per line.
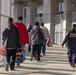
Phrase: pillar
pixel 47 13
pixel 68 9
pixel 0 24
pixel 32 12
pixel 18 11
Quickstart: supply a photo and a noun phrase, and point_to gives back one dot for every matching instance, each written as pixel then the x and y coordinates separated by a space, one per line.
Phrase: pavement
pixel 55 62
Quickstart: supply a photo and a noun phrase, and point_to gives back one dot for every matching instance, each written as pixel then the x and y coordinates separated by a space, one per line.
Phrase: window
pixel 25 12
pixel 61 6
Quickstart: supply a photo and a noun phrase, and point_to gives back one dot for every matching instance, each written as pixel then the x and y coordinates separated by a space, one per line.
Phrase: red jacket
pixel 24 37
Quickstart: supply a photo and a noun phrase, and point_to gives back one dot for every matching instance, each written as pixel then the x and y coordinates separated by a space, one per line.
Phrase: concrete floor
pixel 54 63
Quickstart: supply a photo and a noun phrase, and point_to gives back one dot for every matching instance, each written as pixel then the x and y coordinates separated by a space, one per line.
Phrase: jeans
pixel 29 48
pixel 43 48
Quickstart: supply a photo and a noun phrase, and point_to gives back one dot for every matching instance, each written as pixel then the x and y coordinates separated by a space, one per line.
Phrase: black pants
pixel 36 49
pixel 11 53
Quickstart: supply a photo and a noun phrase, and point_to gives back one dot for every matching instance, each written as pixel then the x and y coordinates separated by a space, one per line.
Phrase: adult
pixel 29 29
pixel 70 39
pixel 46 34
pixel 11 42
pixel 24 37
pixel 37 38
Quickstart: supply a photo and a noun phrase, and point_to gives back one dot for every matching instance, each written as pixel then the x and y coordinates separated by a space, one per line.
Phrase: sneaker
pixel 31 58
pixel 6 67
pixel 73 64
pixel 38 60
pixel 18 65
pixel 43 54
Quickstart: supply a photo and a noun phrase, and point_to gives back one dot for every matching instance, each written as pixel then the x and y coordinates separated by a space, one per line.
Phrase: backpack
pixel 39 36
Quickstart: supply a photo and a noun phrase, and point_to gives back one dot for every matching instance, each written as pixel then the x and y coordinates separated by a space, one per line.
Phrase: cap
pixel 74 24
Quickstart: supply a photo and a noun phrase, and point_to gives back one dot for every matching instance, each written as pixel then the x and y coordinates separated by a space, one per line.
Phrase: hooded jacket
pixel 24 37
pixel 34 33
pixel 11 37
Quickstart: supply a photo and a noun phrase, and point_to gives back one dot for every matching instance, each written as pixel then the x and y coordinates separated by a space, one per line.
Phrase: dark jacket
pixel 70 38
pixel 11 37
pixel 29 29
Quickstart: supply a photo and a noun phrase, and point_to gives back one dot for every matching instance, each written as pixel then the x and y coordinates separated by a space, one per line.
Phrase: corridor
pixel 53 63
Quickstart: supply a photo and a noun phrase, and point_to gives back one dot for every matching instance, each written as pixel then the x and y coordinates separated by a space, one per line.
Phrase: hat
pixel 73 23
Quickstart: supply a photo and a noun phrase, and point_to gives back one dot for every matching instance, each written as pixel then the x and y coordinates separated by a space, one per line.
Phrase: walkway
pixel 54 63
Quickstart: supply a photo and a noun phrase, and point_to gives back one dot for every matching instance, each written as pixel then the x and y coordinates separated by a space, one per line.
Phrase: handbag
pixel 49 43
pixel 3 51
pixel 23 55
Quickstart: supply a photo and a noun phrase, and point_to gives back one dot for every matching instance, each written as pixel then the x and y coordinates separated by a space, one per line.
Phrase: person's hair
pixel 10 19
pixel 74 26
pixel 30 26
pixel 37 23
pixel 20 18
pixel 42 24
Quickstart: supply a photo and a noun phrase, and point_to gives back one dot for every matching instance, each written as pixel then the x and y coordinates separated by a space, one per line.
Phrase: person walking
pixel 29 29
pixel 11 42
pixel 70 39
pixel 46 34
pixel 37 38
pixel 24 37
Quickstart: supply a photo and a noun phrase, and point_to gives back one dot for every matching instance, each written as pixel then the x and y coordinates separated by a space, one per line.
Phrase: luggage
pixel 3 51
pixel 49 43
pixel 20 56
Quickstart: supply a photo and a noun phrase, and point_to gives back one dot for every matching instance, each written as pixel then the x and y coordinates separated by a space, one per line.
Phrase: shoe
pixel 40 55
pixel 38 60
pixel 43 54
pixel 31 58
pixel 18 65
pixel 72 64
pixel 6 67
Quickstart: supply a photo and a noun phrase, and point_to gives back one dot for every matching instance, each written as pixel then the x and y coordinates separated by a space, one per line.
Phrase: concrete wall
pixel 5 13
pixel 32 12
pixel 18 11
pixel 68 9
pixel 46 13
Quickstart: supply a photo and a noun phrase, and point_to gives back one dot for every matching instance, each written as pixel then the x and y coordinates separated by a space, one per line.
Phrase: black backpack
pixel 39 36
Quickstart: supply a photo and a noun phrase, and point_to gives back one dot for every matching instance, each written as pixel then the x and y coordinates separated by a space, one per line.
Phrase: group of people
pixel 16 36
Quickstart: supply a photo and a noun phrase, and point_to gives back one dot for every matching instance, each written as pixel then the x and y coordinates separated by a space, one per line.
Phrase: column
pixel 68 15
pixel 50 8
pixel 32 12
pixel 18 11
pixel 47 13
pixel 0 24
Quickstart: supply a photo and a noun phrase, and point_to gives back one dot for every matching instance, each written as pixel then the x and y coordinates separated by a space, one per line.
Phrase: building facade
pixel 57 15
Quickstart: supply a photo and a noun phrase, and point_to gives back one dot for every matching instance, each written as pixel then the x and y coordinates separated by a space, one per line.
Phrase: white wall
pixel 47 13
pixel 5 13
pixel 74 16
pixel 40 9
